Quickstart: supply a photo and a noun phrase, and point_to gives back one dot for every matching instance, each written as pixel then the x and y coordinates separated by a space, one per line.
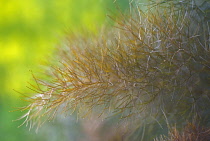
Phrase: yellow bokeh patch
pixel 10 51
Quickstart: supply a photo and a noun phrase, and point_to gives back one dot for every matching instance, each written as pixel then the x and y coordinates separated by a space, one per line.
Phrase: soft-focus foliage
pixel 155 65
pixel 191 132
pixel 29 32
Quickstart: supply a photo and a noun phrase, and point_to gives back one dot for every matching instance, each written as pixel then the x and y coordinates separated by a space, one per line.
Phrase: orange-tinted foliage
pixel 152 62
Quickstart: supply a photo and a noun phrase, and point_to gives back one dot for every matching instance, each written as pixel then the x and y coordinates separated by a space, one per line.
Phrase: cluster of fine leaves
pixel 191 132
pixel 153 62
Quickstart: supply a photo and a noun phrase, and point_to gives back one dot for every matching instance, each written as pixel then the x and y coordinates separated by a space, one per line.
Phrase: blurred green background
pixel 29 31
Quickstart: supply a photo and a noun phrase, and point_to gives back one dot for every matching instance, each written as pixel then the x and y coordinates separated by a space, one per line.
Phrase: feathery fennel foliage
pixel 191 132
pixel 155 63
